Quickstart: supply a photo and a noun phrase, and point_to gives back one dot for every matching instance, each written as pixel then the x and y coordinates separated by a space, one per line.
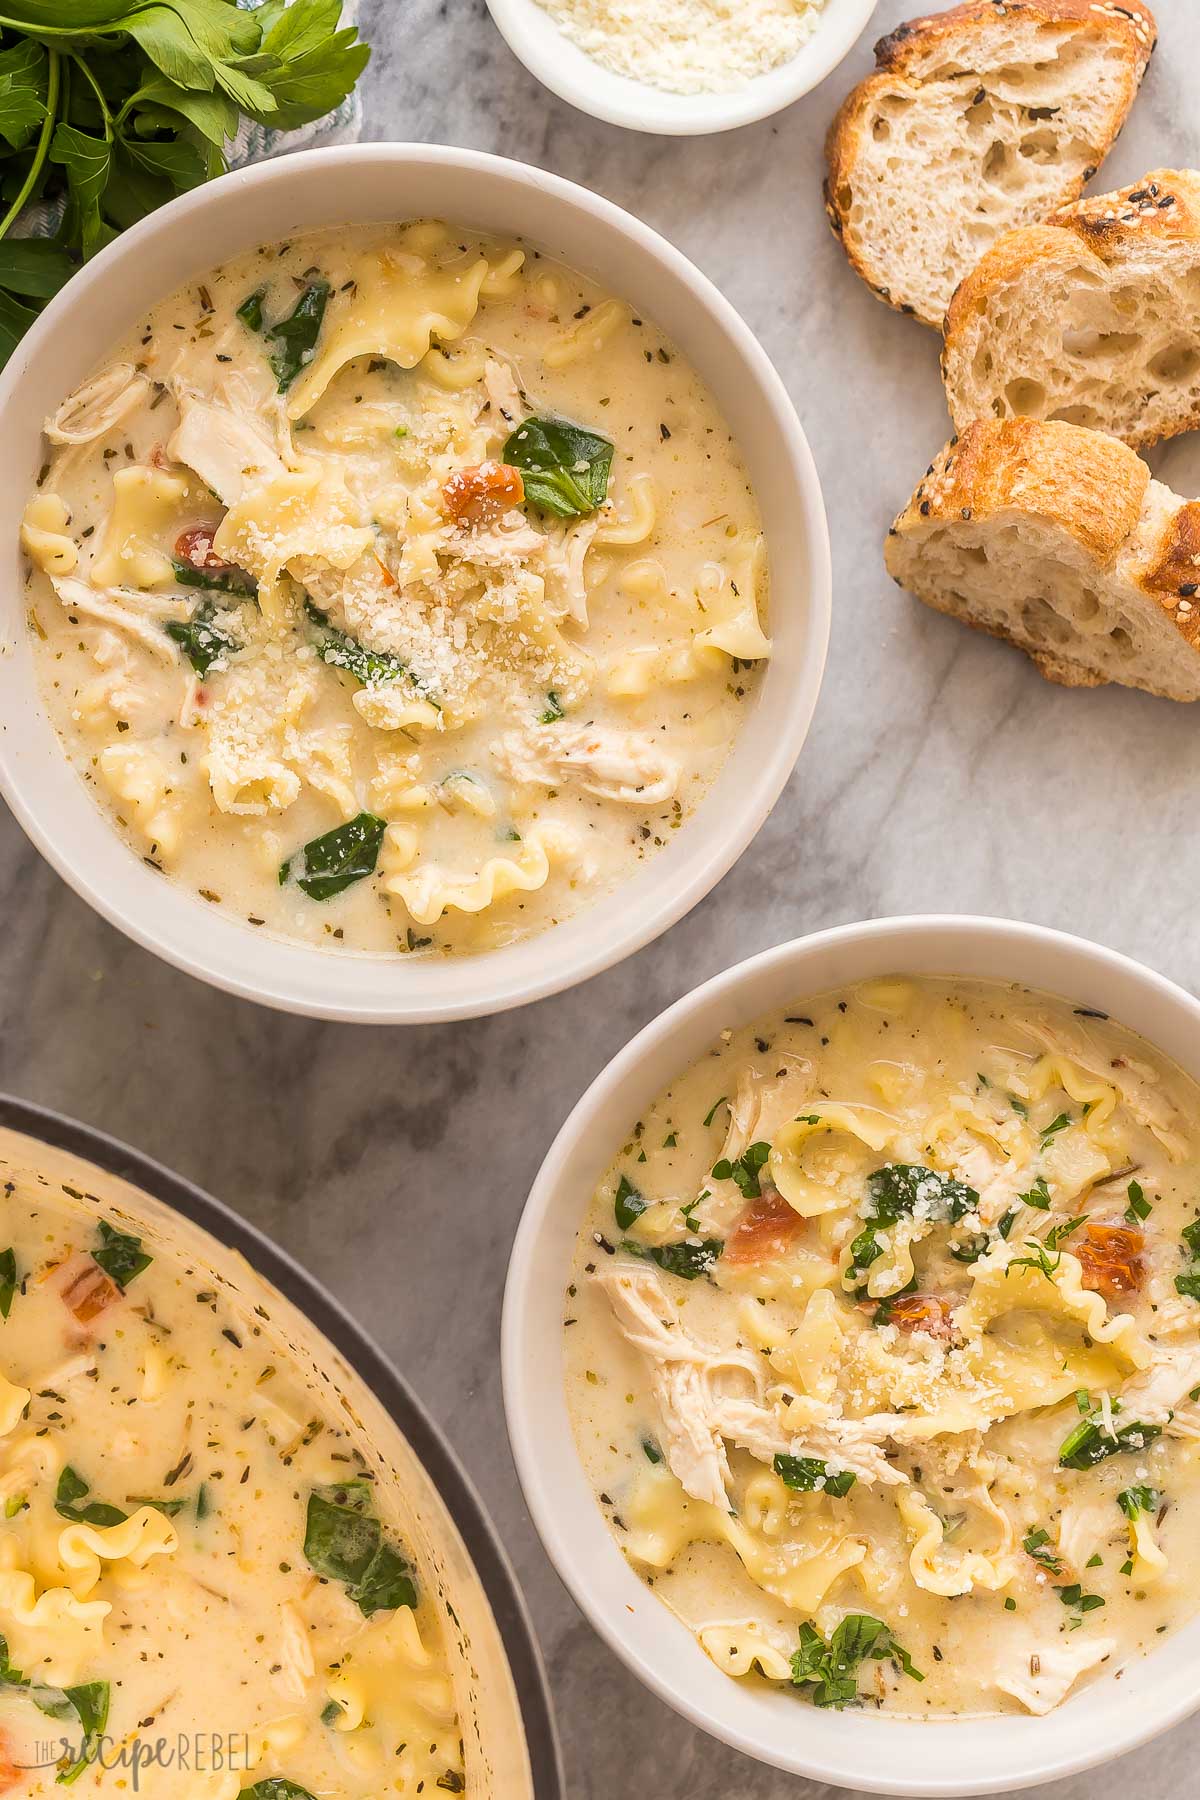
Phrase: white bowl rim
pixel 560 65
pixel 628 929
pixel 886 1758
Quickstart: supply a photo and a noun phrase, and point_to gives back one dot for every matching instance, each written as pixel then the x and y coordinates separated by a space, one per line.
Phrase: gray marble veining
pixel 941 772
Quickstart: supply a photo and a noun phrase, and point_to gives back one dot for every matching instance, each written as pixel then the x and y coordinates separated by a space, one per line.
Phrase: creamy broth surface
pixel 410 537
pixel 883 1348
pixel 189 1538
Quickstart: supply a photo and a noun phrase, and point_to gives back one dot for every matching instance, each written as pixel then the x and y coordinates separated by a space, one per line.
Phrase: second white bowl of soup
pixel 424 571
pixel 852 1355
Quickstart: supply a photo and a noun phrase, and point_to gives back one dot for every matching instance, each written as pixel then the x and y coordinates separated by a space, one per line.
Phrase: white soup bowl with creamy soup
pixel 215 921
pixel 1127 1695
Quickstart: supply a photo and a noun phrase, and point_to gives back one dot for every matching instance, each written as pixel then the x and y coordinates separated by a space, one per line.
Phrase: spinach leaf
pixel 1191 1237
pixel 329 864
pixel 90 1706
pixel 226 579
pixel 71 1490
pixel 295 337
pixel 276 1787
pixel 685 1260
pixel 250 312
pixel 373 668
pixel 8 1281
pixel 1188 1284
pixel 565 468
pixel 628 1204
pixel 120 1256
pixel 1088 1444
pixel 746 1171
pixel 344 1541
pixel 1139 1208
pixel 87 1703
pixel 810 1475
pixel 831 1669
pixel 202 641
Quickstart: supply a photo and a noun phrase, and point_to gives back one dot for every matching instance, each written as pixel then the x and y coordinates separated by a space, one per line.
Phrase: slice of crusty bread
pixel 1056 538
pixel 976 120
pixel 1093 317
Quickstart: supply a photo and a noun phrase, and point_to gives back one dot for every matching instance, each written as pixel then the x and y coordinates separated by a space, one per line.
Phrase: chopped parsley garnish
pixel 1139 1207
pixel 71 1489
pixel 120 1256
pixel 1038 1195
pixel 1036 1544
pixel 1055 1125
pixel 810 1475
pixel 554 709
pixel 651 1451
pixel 829 1671
pixel 1134 1501
pixel 1073 1596
pixel 711 1114
pixel 344 1541
pixel 1089 1444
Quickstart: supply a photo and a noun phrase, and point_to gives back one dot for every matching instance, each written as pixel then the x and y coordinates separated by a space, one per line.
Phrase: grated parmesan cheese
pixel 688 46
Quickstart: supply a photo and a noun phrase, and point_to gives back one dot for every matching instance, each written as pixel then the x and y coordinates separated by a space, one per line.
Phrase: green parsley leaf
pixel 1088 1444
pixel 1139 1207
pixel 1055 1125
pixel 810 1475
pixel 1038 1195
pixel 830 1669
pixel 746 1170
pixel 120 1255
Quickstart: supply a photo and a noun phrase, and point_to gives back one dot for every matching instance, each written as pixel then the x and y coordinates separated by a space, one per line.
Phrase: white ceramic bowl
pixel 852 1749
pixel 569 72
pixel 372 182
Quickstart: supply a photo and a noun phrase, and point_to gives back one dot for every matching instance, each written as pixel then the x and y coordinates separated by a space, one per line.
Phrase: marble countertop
pixel 941 773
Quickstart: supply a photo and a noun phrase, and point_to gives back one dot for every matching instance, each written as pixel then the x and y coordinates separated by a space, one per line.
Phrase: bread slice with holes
pixel 1093 317
pixel 976 121
pixel 1057 539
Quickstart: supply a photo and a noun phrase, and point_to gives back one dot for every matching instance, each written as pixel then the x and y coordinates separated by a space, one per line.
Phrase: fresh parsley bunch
pixel 114 106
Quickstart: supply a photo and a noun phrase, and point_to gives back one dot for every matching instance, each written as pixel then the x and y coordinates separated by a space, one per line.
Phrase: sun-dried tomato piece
pixel 89 1291
pixel 765 1228
pixel 195 546
pixel 12 1774
pixel 1112 1260
pixel 483 494
pixel 922 1312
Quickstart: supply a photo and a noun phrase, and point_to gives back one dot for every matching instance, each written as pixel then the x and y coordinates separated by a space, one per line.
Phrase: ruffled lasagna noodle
pixel 396 589
pixel 883 1348
pixel 193 1553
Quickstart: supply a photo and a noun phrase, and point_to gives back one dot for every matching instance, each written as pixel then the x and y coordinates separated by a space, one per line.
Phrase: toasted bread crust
pixel 1163 206
pixel 898 60
pixel 1088 485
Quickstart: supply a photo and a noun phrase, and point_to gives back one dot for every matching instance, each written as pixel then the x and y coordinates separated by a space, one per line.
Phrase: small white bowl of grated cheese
pixel 681 67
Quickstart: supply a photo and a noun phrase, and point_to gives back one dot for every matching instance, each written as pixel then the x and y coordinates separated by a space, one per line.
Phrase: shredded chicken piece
pixel 1045 1675
pixel 1161 1394
pixel 229 450
pixel 626 766
pixel 98 406
pixel 566 549
pixel 500 385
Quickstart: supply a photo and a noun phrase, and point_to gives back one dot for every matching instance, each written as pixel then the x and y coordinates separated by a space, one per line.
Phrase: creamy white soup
pixel 395 589
pixel 883 1348
pixel 193 1551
